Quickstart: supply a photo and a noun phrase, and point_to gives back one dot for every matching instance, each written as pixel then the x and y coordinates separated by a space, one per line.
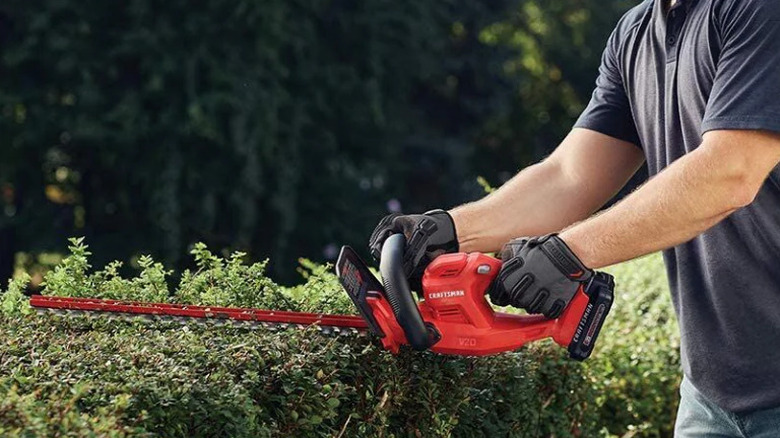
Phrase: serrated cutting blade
pixel 94 308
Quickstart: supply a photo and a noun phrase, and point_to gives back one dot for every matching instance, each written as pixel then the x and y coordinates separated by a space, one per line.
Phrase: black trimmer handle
pixel 398 293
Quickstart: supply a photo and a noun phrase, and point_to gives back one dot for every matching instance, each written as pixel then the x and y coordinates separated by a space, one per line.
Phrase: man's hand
pixel 539 275
pixel 428 236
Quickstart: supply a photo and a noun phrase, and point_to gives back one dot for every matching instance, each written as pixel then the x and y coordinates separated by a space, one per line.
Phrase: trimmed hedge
pixel 636 366
pixel 98 377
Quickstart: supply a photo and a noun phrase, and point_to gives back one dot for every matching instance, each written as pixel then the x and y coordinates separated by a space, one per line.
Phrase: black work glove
pixel 428 236
pixel 539 275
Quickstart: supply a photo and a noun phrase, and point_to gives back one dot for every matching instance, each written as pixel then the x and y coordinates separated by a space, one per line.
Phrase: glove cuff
pixel 564 258
pixel 444 219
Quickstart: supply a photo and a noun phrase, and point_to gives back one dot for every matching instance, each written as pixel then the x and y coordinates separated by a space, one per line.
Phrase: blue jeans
pixel 698 417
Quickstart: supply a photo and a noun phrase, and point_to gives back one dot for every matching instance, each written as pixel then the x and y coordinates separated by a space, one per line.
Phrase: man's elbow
pixel 742 181
pixel 743 192
pixel 737 174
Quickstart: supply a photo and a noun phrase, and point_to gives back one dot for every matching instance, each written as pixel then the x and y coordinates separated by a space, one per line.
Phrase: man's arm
pixel 691 195
pixel 585 171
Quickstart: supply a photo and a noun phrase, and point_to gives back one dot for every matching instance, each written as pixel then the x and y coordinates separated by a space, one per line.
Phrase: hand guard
pixel 540 275
pixel 428 236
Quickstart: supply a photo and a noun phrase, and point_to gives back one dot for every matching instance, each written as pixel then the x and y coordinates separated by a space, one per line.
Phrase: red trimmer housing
pixel 454 316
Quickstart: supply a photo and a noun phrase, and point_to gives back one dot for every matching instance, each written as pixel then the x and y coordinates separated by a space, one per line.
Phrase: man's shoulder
pixel 633 17
pixel 627 26
pixel 731 11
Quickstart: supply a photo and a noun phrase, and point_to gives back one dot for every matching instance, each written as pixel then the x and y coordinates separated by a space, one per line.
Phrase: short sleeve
pixel 746 90
pixel 609 111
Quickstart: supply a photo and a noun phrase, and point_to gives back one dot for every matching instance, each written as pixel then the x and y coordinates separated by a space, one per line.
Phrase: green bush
pixel 81 376
pixel 636 370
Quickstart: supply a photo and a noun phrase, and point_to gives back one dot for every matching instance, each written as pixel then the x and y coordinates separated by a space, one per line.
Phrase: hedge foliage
pixel 99 377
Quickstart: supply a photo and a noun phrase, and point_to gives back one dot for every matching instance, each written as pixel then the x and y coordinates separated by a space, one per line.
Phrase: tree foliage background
pixel 281 127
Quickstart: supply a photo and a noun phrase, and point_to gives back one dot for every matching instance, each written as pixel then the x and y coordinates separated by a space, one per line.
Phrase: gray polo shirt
pixel 668 76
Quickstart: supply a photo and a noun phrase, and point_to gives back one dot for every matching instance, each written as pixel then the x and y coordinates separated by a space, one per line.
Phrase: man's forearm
pixel 538 200
pixel 691 195
pixel 583 173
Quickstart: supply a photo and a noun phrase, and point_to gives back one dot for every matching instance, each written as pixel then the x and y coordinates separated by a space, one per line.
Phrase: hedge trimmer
pixel 454 317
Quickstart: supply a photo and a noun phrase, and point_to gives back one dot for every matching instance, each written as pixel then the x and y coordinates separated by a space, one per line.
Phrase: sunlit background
pixel 282 128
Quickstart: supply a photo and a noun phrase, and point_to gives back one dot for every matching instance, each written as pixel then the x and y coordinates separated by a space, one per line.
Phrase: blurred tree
pixel 283 127
pixel 556 48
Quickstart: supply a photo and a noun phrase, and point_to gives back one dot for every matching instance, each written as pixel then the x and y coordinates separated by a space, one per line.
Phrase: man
pixel 692 87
